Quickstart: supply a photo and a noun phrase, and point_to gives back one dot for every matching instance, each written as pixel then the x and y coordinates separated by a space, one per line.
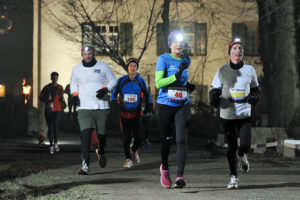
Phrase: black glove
pixel 252 100
pixel 182 67
pixel 75 101
pixel 102 92
pixel 254 96
pixel 214 97
pixel 190 87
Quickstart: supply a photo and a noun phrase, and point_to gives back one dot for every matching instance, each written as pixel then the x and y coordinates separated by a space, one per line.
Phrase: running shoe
pixel 136 156
pixel 56 147
pixel 51 149
pixel 179 182
pixel 84 169
pixel 128 164
pixel 244 163
pixel 233 184
pixel 165 179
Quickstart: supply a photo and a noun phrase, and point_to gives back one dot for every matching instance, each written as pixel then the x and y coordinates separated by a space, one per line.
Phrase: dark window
pixel 248 33
pixel 106 38
pixel 195 36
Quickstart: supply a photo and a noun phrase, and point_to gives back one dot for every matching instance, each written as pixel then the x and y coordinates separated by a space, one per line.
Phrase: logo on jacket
pixel 98 71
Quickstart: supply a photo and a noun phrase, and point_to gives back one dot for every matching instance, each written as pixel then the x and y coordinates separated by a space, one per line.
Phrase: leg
pixel 164 116
pixel 49 121
pixel 229 128
pixel 135 124
pixel 100 117
pixel 57 116
pixel 85 147
pixel 126 137
pixel 182 119
pixel 244 128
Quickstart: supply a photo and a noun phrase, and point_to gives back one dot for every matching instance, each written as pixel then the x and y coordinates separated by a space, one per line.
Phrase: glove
pixel 75 100
pixel 182 67
pixel 102 92
pixel 190 87
pixel 252 100
pixel 214 97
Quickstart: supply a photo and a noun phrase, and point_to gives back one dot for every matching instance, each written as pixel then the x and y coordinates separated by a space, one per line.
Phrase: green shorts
pixel 93 119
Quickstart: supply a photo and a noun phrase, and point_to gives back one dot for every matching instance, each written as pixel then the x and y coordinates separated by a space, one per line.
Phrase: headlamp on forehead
pixel 87 49
pixel 179 37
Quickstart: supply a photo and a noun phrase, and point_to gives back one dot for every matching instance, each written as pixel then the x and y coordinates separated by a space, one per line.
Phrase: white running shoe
pixel 128 164
pixel 56 147
pixel 136 156
pixel 233 184
pixel 244 163
pixel 51 149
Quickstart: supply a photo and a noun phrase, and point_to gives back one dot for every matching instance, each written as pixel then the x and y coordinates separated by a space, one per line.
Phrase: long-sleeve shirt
pixel 86 81
pixel 235 86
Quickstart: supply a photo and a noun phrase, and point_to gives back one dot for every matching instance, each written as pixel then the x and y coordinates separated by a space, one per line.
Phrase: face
pixel 132 68
pixel 87 56
pixel 236 53
pixel 177 48
pixel 54 79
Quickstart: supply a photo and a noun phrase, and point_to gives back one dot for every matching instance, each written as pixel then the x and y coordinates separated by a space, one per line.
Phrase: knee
pixel 167 140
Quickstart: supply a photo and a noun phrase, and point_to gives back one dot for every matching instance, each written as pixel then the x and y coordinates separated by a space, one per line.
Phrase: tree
pixel 107 25
pixel 278 54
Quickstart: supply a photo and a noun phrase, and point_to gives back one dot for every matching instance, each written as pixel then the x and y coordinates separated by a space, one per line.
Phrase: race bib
pixel 177 95
pixel 130 98
pixel 238 94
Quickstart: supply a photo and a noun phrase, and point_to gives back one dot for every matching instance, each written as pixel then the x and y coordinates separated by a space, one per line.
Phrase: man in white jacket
pixel 90 82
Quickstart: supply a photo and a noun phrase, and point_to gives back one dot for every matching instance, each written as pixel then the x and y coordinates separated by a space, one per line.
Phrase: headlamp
pixel 179 37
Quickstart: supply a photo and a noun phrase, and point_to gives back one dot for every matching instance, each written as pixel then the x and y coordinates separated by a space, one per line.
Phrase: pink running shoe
pixel 179 183
pixel 165 179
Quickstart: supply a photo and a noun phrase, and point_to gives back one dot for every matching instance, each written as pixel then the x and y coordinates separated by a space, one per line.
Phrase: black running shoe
pixel 102 161
pixel 179 182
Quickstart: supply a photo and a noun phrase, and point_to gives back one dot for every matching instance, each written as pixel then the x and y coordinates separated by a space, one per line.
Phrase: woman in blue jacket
pixel 173 105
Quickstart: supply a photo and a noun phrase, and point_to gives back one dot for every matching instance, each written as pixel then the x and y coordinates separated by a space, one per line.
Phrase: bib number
pixel 130 98
pixel 177 95
pixel 238 94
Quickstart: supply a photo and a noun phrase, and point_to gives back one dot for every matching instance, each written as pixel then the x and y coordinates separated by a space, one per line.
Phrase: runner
pixel 235 88
pixel 90 82
pixel 173 105
pixel 130 91
pixel 53 96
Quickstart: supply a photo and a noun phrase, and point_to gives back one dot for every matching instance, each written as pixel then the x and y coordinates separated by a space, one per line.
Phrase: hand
pixel 75 101
pixel 102 92
pixel 252 100
pixel 214 96
pixel 182 67
pixel 190 87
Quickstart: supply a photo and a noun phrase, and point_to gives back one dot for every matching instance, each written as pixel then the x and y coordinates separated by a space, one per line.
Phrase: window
pixel 106 36
pixel 248 33
pixel 195 35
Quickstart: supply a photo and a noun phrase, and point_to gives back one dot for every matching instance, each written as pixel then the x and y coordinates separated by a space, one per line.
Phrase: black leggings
pixel 166 116
pixel 233 129
pixel 129 126
pixel 52 120
pixel 86 136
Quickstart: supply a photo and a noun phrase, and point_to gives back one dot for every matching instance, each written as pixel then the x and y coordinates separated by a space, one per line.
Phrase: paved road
pixel 28 171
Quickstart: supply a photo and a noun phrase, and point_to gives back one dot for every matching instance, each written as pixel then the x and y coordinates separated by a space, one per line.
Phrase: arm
pixel 74 83
pixel 215 91
pixel 160 81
